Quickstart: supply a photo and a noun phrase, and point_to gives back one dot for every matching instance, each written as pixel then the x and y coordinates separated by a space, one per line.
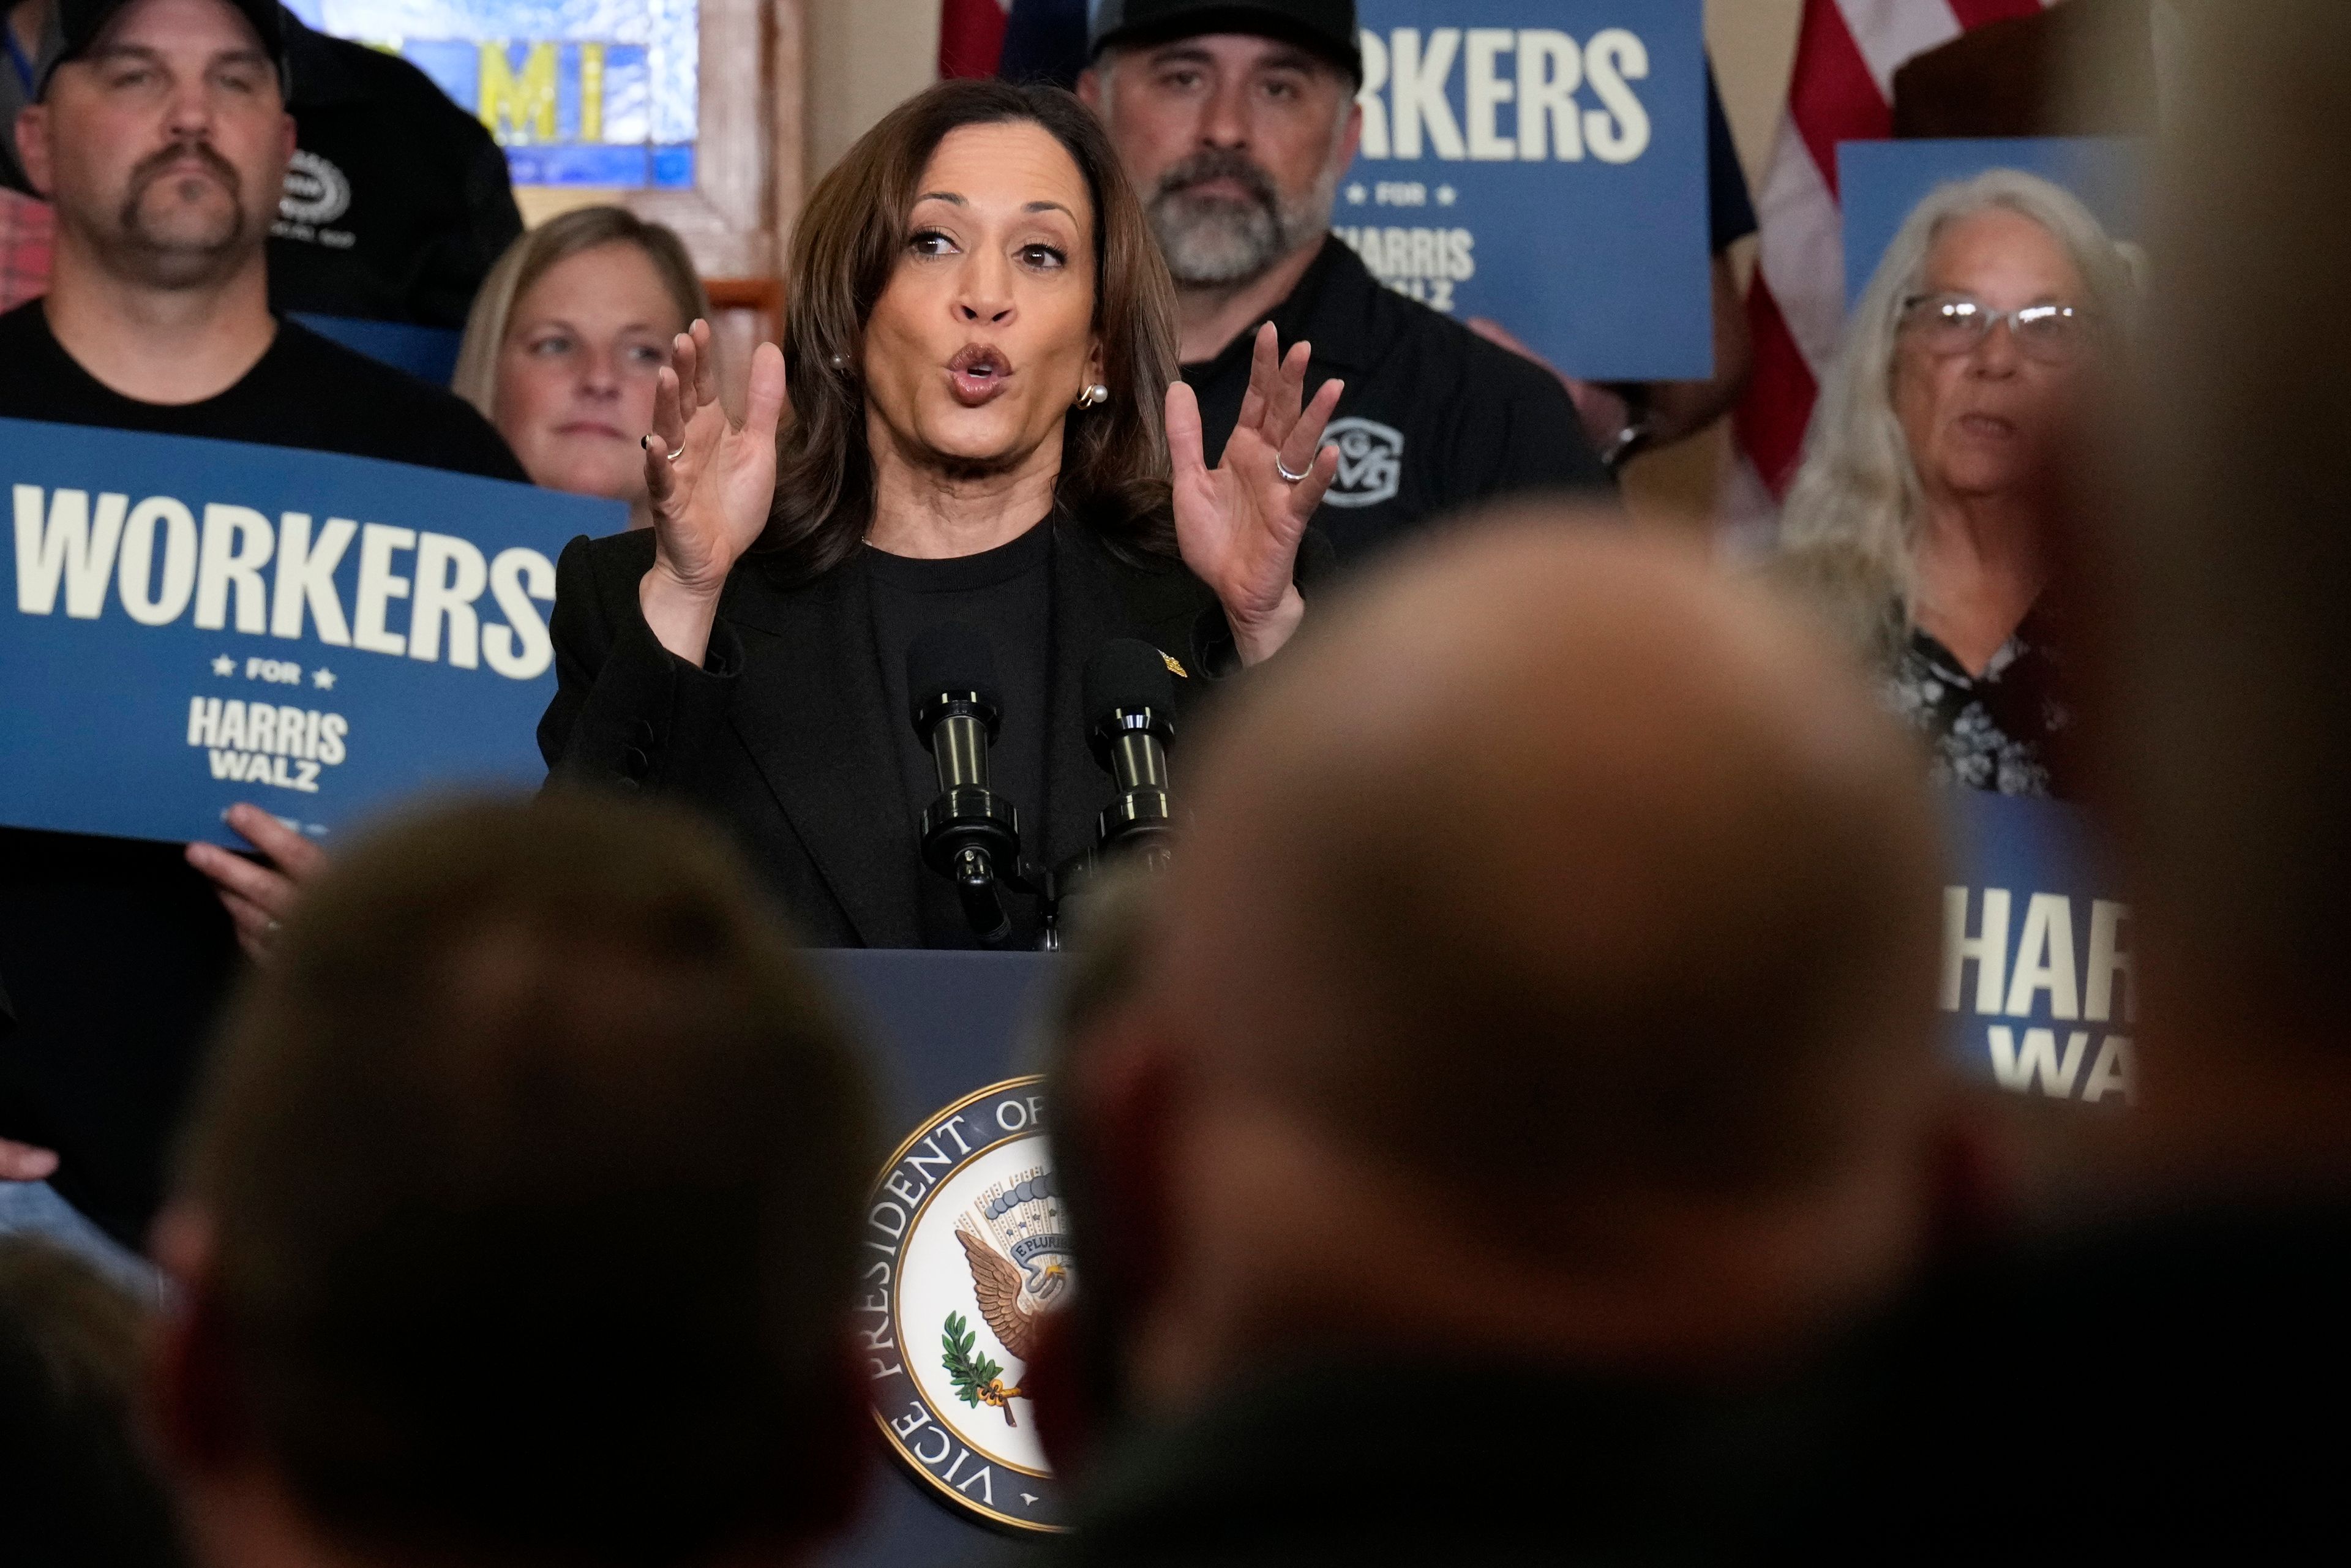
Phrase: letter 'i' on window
pixel 1988 950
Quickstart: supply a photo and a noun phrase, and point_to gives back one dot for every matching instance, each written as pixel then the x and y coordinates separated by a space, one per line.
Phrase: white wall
pixel 864 58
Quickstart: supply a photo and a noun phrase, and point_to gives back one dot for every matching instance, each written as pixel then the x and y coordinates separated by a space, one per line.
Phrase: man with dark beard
pixel 161 139
pixel 1236 123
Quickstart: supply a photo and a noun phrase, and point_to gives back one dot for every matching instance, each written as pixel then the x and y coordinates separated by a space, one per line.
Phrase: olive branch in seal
pixel 977 1379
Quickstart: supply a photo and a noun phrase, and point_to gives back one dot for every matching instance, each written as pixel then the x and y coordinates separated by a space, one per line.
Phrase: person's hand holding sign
pixel 1239 524
pixel 710 482
pixel 258 897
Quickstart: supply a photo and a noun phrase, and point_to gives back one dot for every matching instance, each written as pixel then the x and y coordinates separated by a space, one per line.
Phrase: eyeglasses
pixel 1953 324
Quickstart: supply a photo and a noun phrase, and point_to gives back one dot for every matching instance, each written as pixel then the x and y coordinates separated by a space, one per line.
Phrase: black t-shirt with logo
pixel 398 201
pixel 1433 418
pixel 113 953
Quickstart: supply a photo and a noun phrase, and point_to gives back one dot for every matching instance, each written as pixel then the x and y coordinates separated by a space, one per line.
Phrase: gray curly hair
pixel 1846 532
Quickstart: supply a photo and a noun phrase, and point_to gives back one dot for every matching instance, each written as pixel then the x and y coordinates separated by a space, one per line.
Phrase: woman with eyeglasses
pixel 1919 518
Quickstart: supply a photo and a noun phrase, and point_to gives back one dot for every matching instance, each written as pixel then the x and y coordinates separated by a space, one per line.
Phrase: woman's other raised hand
pixel 1239 523
pixel 710 500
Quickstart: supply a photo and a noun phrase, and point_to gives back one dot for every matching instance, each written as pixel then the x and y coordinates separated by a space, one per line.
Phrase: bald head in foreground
pixel 2201 1308
pixel 1533 1046
pixel 515 1225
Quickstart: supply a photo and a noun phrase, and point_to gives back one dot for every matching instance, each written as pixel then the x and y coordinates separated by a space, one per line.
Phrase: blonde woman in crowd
pixel 566 342
pixel 1919 518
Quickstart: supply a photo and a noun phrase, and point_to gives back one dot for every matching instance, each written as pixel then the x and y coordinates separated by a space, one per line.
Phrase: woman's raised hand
pixel 710 500
pixel 1239 523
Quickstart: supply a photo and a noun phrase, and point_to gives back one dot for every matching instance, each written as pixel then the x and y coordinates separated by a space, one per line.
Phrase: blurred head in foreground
pixel 75 1485
pixel 2231 568
pixel 1549 979
pixel 516 1220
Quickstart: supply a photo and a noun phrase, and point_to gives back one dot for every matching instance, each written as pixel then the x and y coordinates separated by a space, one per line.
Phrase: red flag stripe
pixel 1771 426
pixel 1976 13
pixel 971 37
pixel 1832 96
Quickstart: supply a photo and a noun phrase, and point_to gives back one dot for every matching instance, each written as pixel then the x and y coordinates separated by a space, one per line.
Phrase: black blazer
pixel 782 733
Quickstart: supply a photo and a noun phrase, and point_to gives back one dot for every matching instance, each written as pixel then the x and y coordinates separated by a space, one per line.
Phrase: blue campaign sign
pixel 1880 182
pixel 428 353
pixel 186 624
pixel 1541 163
pixel 2038 980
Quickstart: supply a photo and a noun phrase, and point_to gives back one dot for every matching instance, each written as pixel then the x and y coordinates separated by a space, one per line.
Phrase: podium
pixel 941 1025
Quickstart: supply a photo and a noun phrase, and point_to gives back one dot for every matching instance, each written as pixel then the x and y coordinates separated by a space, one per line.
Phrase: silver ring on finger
pixel 1283 469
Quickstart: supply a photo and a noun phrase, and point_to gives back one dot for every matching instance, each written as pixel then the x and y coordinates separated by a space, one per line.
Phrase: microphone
pixel 1132 699
pixel 970 835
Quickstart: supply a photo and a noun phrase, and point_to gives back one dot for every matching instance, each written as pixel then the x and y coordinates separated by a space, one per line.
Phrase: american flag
pixel 971 36
pixel 1841 90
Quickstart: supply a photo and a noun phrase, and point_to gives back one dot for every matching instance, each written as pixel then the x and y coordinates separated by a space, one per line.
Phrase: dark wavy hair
pixel 849 239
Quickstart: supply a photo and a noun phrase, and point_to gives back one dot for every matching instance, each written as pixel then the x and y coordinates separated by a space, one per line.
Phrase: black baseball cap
pixel 82 22
pixel 1325 26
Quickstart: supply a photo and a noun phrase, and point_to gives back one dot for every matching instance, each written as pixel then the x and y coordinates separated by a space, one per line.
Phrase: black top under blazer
pixel 782 733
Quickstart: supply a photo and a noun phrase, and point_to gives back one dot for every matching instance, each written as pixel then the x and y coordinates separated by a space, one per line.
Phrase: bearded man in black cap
pixel 1236 122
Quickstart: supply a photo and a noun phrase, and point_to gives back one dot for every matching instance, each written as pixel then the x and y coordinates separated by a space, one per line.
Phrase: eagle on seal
pixel 1021 1260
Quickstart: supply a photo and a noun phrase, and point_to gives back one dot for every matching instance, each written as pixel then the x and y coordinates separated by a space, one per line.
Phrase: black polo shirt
pixel 1434 418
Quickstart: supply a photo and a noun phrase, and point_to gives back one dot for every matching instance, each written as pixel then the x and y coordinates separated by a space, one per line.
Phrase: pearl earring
pixel 1093 396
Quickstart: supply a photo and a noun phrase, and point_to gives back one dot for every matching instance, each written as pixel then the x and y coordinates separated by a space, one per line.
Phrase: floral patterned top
pixel 1996 730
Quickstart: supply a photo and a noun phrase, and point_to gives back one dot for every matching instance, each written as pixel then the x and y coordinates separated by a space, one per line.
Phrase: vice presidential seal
pixel 965 1251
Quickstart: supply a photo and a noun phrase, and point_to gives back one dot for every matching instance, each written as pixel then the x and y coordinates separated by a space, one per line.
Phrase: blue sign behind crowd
pixel 2038 980
pixel 1542 163
pixel 186 624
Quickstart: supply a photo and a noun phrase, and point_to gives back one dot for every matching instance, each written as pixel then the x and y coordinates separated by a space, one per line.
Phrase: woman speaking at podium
pixel 987 430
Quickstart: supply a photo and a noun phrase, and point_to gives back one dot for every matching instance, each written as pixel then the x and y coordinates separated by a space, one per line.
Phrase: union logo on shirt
pixel 316 191
pixel 1371 462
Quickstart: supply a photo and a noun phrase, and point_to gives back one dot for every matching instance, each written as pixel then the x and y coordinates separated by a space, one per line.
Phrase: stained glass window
pixel 578 92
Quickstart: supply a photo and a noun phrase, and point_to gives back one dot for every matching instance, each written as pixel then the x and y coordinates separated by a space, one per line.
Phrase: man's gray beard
pixel 1219 243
